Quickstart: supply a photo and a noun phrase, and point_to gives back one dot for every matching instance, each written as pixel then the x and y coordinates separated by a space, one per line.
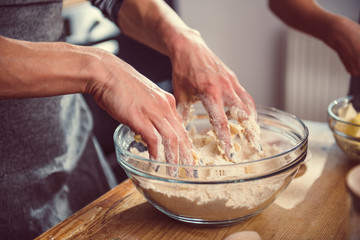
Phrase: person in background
pixel 51 164
pixel 338 32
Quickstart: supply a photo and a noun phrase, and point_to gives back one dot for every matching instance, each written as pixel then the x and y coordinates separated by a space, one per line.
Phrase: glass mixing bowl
pixel 344 132
pixel 218 194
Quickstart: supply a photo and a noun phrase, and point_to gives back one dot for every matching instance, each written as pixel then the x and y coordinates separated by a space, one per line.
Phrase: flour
pixel 217 202
pixel 211 202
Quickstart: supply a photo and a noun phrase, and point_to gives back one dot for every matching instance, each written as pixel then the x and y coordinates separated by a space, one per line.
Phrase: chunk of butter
pixel 350 115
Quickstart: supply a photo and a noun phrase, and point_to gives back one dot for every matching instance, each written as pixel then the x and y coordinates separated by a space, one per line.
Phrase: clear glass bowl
pixel 218 194
pixel 343 130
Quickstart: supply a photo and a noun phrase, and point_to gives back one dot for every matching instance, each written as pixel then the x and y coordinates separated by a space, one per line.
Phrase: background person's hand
pixel 134 100
pixel 198 74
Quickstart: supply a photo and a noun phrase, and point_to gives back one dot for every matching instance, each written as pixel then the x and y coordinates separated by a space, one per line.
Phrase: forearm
pixel 306 16
pixel 153 23
pixel 29 69
pixel 338 32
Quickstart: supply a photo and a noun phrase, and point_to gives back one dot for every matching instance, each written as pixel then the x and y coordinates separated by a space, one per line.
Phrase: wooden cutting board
pixel 314 206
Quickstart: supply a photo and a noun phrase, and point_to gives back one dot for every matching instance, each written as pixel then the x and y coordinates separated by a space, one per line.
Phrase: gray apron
pixel 50 163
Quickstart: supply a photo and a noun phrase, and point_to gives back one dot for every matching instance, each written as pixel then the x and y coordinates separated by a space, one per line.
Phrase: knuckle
pixel 151 139
pixel 223 126
pixel 174 139
pixel 171 99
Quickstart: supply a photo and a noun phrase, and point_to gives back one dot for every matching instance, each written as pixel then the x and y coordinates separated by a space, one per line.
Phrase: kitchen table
pixel 314 206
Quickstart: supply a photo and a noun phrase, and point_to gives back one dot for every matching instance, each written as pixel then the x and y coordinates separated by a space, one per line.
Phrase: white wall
pixel 250 39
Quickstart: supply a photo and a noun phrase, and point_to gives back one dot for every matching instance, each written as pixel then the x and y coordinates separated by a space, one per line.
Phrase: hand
pixel 345 40
pixel 40 69
pixel 132 99
pixel 198 74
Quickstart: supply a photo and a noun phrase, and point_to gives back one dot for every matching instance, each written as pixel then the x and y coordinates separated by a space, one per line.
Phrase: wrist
pixel 93 73
pixel 77 68
pixel 337 29
pixel 182 41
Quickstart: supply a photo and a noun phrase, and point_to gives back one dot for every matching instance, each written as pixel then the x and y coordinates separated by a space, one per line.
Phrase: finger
pixel 151 137
pixel 183 107
pixel 162 142
pixel 169 140
pixel 242 109
pixel 250 127
pixel 219 121
pixel 184 110
pixel 247 100
pixel 185 145
pixel 233 99
pixel 248 103
pixel 144 124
